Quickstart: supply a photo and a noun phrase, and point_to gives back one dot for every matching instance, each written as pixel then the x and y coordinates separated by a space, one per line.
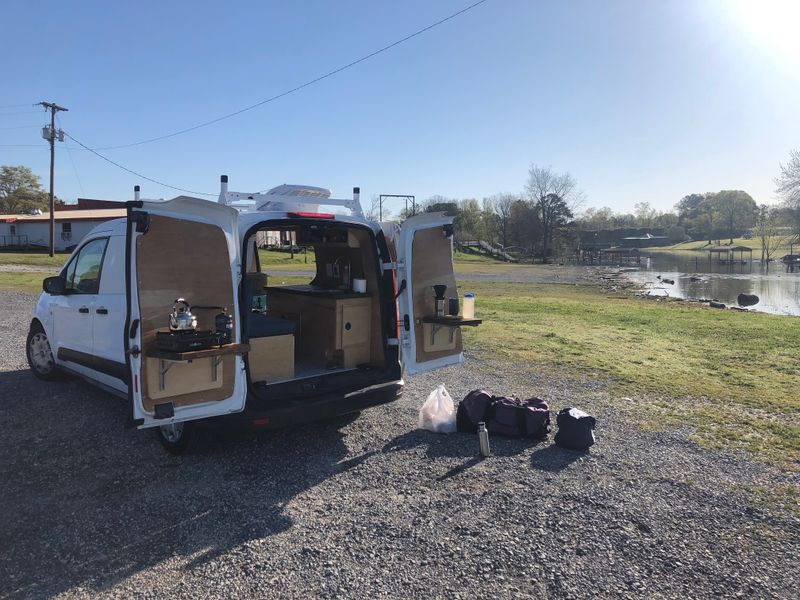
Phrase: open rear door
pixel 425 258
pixel 182 248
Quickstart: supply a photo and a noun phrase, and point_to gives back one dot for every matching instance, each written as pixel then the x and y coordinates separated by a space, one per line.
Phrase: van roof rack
pixel 288 198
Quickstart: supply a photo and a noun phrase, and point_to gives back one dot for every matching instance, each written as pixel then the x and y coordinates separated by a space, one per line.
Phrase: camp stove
pixel 186 340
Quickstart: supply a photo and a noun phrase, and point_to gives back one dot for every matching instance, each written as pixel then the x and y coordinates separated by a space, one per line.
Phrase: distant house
pixel 72 223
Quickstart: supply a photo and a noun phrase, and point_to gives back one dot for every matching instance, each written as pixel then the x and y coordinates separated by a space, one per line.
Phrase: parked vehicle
pixel 171 309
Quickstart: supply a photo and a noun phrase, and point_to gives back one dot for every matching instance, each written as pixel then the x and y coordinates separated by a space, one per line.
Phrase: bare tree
pixel 555 197
pixel 768 231
pixel 788 183
pixel 501 205
pixel 373 213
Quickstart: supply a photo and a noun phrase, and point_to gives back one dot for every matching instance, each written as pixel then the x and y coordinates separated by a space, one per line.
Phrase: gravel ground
pixel 371 507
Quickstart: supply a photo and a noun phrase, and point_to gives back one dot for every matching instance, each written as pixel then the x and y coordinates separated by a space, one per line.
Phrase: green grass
pixel 754 244
pixel 33 259
pixel 21 282
pixel 272 260
pixel 732 376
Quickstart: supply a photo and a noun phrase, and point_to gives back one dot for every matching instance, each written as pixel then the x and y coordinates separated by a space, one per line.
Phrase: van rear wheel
pixel 176 437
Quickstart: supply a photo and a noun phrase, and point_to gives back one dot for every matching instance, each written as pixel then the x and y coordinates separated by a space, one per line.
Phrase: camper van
pixel 172 309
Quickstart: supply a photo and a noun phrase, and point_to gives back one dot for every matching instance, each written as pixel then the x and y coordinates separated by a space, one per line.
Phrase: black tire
pixel 40 356
pixel 176 438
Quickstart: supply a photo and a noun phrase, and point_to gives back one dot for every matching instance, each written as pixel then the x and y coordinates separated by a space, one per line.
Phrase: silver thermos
pixel 483 439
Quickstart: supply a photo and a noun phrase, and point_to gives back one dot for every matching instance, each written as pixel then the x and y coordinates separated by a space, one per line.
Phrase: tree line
pixel 543 220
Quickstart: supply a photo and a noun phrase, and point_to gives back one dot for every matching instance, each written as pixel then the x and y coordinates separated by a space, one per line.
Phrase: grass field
pixel 732 376
pixel 754 244
pixel 33 259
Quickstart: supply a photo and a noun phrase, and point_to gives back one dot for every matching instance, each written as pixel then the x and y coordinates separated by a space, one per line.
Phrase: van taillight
pixel 312 215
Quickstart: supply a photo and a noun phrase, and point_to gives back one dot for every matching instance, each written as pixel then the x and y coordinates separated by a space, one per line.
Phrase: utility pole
pixel 50 134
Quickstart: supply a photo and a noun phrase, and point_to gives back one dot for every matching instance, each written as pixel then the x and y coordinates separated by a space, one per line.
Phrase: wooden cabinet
pixel 331 331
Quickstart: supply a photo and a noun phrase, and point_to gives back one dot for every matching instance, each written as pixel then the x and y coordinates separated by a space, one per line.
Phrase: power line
pixel 116 164
pixel 20 127
pixel 72 161
pixel 299 87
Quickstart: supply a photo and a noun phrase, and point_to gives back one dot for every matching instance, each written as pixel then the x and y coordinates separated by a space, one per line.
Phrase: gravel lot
pixel 370 507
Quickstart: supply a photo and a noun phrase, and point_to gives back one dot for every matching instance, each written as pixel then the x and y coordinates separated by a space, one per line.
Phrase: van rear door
pixel 425 258
pixel 182 248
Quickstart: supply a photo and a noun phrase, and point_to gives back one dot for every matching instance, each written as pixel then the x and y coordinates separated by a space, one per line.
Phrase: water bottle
pixel 468 309
pixel 483 439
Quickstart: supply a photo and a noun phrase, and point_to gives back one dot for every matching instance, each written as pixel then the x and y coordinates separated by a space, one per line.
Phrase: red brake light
pixel 312 215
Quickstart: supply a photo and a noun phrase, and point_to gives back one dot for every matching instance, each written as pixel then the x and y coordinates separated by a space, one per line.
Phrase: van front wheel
pixel 40 355
pixel 176 437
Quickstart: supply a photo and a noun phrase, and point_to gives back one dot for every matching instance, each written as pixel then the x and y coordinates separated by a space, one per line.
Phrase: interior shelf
pixel 208 352
pixel 453 321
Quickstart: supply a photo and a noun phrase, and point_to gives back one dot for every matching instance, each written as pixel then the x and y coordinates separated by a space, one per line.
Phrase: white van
pixel 239 346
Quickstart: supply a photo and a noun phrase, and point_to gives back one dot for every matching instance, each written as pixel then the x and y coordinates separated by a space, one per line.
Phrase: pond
pixel 697 277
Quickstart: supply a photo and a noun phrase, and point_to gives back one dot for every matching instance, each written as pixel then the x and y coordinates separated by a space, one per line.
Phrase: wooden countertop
pixel 318 292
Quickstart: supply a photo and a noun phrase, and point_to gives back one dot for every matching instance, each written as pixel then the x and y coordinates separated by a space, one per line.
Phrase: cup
pixel 452 308
pixel 360 286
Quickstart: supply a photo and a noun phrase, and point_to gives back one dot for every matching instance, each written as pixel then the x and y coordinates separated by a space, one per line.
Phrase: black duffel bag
pixel 575 429
pixel 503 415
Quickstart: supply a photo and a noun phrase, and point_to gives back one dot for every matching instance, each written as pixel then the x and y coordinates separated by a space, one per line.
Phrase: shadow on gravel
pixel 554 458
pixel 86 502
pixel 455 445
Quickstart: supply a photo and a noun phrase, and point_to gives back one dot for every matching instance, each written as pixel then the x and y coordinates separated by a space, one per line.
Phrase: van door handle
pixel 102 311
pixel 84 310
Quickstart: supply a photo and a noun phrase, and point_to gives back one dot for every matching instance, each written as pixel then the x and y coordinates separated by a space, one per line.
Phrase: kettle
pixel 181 318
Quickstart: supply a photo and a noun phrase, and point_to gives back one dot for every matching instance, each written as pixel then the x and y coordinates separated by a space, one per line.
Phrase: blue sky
pixel 640 101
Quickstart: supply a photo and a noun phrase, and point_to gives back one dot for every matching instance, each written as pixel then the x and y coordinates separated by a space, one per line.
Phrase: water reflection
pixel 697 277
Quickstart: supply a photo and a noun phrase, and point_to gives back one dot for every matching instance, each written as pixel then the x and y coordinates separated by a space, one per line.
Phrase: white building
pixel 71 224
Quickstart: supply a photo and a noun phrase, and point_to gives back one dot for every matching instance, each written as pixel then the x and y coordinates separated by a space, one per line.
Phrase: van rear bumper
pixel 318 409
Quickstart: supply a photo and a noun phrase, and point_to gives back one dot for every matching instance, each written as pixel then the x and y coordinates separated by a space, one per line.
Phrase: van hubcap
pixel 172 432
pixel 41 355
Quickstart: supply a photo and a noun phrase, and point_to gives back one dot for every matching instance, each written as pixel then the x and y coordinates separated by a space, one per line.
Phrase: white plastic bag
pixel 438 414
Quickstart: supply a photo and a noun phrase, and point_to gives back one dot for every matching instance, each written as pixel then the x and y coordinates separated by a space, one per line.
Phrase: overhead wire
pixel 301 86
pixel 258 104
pixel 132 172
pixel 72 160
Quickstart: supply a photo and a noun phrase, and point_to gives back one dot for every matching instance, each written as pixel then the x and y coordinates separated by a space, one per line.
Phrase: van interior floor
pixel 304 370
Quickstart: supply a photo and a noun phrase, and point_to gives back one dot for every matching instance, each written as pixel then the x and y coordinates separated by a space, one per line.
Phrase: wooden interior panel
pixel 271 358
pixel 182 259
pixel 185 377
pixel 432 264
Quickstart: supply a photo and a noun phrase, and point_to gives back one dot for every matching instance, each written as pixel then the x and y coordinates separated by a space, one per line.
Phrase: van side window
pixel 83 271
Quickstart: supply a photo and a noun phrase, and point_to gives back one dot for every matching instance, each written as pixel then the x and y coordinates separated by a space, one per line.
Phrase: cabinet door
pixel 354 325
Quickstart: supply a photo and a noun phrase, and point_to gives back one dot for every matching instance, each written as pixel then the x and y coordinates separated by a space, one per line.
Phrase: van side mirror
pixel 55 286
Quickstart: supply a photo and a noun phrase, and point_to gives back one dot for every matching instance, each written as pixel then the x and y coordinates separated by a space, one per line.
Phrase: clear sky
pixel 640 101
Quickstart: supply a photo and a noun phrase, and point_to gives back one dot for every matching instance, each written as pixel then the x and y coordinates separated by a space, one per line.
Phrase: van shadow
pixel 87 502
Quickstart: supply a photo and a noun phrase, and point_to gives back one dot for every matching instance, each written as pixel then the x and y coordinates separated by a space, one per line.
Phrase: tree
pixel 788 189
pixel 645 214
pixel 501 205
pixel 373 213
pixel 768 231
pixel 20 191
pixel 738 210
pixel 555 197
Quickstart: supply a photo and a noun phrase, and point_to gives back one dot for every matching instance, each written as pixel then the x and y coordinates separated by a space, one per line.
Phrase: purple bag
pixel 472 410
pixel 504 415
